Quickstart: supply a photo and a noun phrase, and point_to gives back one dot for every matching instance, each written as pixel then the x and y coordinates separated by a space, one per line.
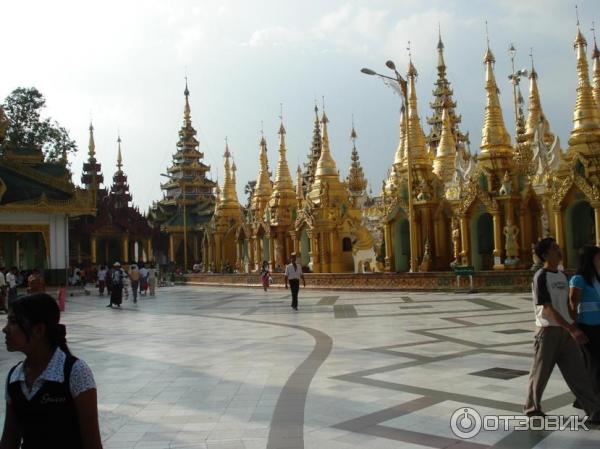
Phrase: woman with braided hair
pixel 50 396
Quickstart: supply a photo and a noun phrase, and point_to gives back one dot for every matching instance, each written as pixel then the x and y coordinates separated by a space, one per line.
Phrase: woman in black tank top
pixel 51 396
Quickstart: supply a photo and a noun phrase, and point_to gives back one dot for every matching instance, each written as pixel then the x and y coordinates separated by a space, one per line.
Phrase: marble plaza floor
pixel 225 368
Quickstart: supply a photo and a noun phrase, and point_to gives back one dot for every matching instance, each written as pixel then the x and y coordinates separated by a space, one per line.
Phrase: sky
pixel 122 63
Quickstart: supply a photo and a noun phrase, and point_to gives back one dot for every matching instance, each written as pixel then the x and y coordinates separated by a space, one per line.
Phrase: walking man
pixel 557 338
pixel 293 274
pixel 11 280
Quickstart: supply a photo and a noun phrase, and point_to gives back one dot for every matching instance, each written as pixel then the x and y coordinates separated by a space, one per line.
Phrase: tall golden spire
pixel 263 188
pixel 596 58
pixel 416 137
pixel 229 197
pixel 357 184
pixel 586 116
pixel 326 165
pixel 92 175
pixel 283 178
pixel 92 144
pixel 399 156
pixel 494 137
pixel 187 116
pixel 443 165
pixel 535 113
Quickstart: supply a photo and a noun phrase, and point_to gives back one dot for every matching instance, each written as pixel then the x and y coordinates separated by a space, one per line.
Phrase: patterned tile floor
pixel 220 368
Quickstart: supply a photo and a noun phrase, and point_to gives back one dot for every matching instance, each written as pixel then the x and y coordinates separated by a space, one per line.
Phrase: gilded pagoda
pixel 489 210
pixel 485 210
pixel 188 201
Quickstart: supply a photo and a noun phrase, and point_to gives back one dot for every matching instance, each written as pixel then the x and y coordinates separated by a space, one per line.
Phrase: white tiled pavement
pixel 225 368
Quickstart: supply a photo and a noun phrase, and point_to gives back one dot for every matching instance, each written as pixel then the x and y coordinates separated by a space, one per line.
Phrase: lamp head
pixel 390 65
pixel 368 71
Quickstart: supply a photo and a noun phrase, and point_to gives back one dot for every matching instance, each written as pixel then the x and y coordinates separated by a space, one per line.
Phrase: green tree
pixel 249 191
pixel 28 130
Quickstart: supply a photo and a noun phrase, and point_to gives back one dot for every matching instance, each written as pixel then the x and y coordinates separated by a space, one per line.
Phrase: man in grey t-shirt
pixel 557 338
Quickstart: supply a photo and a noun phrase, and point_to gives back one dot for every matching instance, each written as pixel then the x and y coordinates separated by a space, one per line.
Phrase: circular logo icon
pixel 465 423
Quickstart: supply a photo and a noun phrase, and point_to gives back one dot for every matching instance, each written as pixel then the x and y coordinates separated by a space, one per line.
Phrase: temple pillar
pixel 295 243
pixel 251 242
pixel 387 238
pixel 171 248
pixel 525 233
pixel 125 251
pixel 334 254
pixel 272 260
pixel 210 262
pixel 316 252
pixel 149 254
pixel 94 249
pixel 497 241
pixel 560 234
pixel 218 253
pixel 465 252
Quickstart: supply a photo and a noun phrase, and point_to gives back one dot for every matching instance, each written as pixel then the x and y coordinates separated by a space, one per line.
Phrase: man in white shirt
pixel 293 274
pixel 11 280
pixel 557 337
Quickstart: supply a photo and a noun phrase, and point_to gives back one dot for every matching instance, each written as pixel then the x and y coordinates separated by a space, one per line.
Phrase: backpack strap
pixel 10 373
pixel 69 362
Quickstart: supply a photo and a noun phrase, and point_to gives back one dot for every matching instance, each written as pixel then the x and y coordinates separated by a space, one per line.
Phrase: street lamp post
pixel 183 200
pixel 515 78
pixel 402 85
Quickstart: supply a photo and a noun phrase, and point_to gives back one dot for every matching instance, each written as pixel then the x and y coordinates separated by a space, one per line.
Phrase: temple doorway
pixel 401 242
pixel 482 241
pixel 580 230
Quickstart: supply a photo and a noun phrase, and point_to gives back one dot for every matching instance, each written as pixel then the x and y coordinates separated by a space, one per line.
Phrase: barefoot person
pixel 51 396
pixel 293 274
pixel 265 275
pixel 557 339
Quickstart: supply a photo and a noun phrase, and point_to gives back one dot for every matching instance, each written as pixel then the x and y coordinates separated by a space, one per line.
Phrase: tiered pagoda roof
pixel 443 101
pixel 187 182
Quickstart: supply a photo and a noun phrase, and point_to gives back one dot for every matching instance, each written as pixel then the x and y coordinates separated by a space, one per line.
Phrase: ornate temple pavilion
pixel 37 202
pixel 188 203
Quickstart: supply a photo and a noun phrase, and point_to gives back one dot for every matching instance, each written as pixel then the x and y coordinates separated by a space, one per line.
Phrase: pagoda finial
pixel 494 135
pixel 91 144
pixel 441 64
pixel 357 183
pixel 263 188
pixel 187 115
pixel 586 116
pixel 326 164
pixel 535 113
pixel 283 178
pixel 415 134
pixel 596 68
pixel 229 193
pixel 119 156
pixel 401 149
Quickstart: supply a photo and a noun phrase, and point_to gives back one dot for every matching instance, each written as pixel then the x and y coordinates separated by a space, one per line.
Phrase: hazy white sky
pixel 123 63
